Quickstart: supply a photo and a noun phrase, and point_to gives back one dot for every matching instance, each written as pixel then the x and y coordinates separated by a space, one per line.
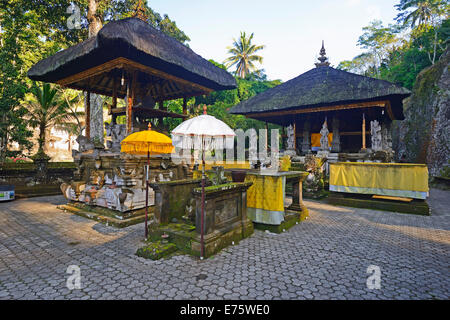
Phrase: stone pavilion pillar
pixel 336 143
pixel 306 144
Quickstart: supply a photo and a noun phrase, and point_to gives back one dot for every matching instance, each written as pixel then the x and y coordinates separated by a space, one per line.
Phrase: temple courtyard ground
pixel 325 257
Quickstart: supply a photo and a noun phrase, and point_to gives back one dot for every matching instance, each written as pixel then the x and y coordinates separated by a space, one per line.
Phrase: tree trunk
pixel 95 22
pixel 4 141
pixel 96 112
pixel 42 139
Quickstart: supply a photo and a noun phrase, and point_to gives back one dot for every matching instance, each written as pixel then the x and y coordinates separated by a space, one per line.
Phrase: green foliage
pixel 15 39
pixel 220 102
pixel 31 30
pixel 46 109
pixel 398 53
pixel 243 55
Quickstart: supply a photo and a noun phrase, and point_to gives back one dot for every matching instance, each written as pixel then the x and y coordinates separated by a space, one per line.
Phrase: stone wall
pixel 424 135
pixel 25 174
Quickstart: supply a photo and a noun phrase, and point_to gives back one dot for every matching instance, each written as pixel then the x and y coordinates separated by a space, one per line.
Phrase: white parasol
pixel 204 133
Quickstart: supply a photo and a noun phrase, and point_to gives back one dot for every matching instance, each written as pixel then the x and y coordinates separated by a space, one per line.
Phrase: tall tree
pixel 15 36
pixel 243 55
pixel 96 130
pixel 379 40
pixel 424 16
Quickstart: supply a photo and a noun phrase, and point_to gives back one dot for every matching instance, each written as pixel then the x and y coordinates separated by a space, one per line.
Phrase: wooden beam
pixel 185 106
pixel 114 100
pixel 389 110
pixel 358 105
pixel 88 115
pixel 364 133
pixel 129 102
pixel 121 63
pixel 161 105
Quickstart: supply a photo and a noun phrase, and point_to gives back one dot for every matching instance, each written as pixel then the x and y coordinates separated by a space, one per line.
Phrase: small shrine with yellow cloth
pixel 267 195
pixel 386 179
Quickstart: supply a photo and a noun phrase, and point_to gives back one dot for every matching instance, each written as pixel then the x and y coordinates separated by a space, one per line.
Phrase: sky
pixel 291 30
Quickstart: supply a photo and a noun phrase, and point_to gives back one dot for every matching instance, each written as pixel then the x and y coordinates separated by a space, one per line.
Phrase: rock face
pixel 424 135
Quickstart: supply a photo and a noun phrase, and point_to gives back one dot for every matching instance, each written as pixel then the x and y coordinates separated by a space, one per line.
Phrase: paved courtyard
pixel 325 257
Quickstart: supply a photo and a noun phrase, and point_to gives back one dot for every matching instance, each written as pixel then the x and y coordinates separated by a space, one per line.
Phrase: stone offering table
pixel 178 216
pixel 266 199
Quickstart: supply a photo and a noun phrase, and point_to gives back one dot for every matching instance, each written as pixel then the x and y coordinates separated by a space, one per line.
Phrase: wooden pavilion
pixel 346 101
pixel 130 59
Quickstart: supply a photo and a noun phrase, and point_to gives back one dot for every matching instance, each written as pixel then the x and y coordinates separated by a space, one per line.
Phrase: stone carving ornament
pixel 375 132
pixel 117 132
pixel 324 137
pixel 290 137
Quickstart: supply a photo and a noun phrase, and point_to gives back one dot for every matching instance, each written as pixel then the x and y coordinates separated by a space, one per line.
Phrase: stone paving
pixel 325 257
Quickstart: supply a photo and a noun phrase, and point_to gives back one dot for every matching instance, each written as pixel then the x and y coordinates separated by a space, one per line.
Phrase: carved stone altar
pixel 114 180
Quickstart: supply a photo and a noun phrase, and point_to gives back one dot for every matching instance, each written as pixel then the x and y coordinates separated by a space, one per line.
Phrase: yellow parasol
pixel 145 143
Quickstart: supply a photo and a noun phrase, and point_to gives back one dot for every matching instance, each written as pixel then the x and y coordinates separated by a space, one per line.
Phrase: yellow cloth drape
pixel 315 139
pixel 266 192
pixel 394 176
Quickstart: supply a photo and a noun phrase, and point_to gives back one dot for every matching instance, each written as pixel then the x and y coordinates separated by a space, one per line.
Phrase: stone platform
pixel 366 201
pixel 290 219
pixel 109 217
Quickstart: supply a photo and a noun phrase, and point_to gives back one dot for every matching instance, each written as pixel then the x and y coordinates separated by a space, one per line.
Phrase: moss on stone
pixel 361 201
pixel 156 250
pixel 180 235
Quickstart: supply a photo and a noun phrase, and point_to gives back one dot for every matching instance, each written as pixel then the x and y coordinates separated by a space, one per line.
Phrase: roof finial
pixel 204 109
pixel 323 58
pixel 149 126
pixel 140 12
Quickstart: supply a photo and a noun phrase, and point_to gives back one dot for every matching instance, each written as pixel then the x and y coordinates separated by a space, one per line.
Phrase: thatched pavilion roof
pixel 318 88
pixel 165 68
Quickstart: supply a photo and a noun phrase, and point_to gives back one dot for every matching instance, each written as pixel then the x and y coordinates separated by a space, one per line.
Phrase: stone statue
pixel 253 146
pixel 84 144
pixel 375 132
pixel 117 132
pixel 290 137
pixel 324 137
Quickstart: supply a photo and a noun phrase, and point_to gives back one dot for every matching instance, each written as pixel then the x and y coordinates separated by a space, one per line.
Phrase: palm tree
pixel 424 13
pixel 46 109
pixel 243 55
pixel 421 14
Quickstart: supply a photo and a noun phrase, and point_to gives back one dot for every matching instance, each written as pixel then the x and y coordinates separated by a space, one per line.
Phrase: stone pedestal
pixel 225 216
pixel 290 152
pixel 297 193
